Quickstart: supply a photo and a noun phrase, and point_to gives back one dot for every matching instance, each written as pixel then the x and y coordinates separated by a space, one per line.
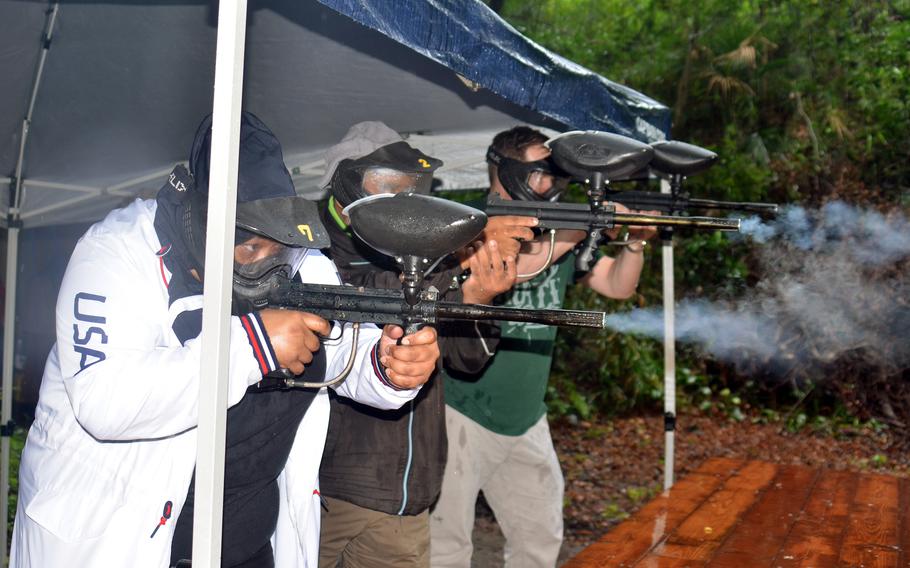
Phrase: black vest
pixel 260 433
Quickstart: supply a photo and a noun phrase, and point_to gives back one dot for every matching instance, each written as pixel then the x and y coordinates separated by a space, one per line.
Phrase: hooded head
pixel 275 227
pixel 371 159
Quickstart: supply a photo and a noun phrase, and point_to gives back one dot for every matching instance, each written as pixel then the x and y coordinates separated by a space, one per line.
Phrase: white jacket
pixel 114 435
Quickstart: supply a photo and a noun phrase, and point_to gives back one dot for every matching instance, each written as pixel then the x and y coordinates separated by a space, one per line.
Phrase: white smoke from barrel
pixel 834 282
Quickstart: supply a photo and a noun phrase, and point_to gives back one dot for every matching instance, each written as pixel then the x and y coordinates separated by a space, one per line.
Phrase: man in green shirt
pixel 499 439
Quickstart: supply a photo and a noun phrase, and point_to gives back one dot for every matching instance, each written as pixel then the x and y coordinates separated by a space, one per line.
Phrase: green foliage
pixel 639 495
pixel 823 85
pixel 16 443
pixel 614 512
pixel 803 102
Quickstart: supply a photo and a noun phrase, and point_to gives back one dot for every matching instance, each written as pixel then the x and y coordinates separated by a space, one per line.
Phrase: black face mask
pixel 541 180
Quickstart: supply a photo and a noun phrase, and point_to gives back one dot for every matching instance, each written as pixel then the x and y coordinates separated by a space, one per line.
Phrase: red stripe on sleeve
pixel 254 341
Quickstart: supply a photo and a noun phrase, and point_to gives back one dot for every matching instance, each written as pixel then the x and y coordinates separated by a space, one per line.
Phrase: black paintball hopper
pixel 679 158
pixel 582 153
pixel 411 224
pixel 414 229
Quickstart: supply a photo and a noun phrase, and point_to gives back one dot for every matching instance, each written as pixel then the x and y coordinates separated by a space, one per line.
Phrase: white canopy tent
pixel 102 98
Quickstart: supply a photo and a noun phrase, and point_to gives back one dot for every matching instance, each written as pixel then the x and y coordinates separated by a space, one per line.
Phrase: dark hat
pixel 261 171
pixel 267 203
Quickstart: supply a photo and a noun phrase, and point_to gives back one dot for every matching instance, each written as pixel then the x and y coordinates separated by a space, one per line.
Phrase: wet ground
pixel 488 541
pixel 612 468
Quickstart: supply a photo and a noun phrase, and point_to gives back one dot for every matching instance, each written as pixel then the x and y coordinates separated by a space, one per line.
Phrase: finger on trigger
pixel 424 336
pixel 393 331
pixel 317 324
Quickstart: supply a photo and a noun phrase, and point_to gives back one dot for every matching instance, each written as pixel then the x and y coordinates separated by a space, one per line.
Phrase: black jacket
pixel 393 461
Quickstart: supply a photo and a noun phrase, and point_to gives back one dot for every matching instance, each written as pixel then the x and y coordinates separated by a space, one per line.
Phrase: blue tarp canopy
pixel 125 83
pixel 476 43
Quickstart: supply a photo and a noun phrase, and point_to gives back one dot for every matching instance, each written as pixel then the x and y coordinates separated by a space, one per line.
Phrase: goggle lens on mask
pixel 376 180
pixel 257 258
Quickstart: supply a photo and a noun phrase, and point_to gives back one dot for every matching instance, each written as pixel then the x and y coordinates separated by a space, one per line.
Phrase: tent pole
pixel 669 352
pixel 209 496
pixel 12 262
pixel 16 201
pixel 6 408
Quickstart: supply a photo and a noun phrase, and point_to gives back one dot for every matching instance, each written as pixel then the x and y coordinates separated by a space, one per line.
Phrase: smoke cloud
pixel 834 284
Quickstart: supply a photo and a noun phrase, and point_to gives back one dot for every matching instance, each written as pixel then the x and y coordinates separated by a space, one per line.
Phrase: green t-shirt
pixel 508 398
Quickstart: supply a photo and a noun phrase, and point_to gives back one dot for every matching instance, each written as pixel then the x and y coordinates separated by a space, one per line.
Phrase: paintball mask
pixel 542 180
pixel 272 238
pixel 395 168
pixel 275 227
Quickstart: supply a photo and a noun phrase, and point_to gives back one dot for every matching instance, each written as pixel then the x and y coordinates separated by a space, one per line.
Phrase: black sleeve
pixel 467 346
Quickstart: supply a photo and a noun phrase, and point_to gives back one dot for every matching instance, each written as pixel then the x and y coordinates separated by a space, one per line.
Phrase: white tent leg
pixel 209 496
pixel 669 357
pixel 12 261
pixel 6 408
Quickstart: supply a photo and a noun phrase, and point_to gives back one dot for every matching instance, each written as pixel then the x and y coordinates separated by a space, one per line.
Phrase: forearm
pixel 150 393
pixel 617 277
pixel 364 384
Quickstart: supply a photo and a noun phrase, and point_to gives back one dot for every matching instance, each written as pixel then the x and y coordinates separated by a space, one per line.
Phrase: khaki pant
pixel 521 480
pixel 356 537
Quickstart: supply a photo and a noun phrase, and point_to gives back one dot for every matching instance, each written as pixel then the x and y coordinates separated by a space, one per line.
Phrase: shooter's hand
pixel 294 336
pixel 613 233
pixel 410 364
pixel 643 233
pixel 509 231
pixel 491 275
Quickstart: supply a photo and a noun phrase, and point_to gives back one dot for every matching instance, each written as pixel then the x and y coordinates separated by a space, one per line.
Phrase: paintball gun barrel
pixel 359 305
pixel 669 204
pixel 556 215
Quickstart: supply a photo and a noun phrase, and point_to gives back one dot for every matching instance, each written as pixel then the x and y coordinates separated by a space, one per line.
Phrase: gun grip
pixel 584 259
pixel 409 328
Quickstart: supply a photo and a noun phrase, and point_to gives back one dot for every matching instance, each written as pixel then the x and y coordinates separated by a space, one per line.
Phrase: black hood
pixel 261 171
pixel 267 203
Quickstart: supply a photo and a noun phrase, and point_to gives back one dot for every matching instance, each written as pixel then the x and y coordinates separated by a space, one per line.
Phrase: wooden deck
pixel 736 514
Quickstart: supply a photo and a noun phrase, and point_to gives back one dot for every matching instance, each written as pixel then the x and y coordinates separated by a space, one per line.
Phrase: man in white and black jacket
pixel 382 469
pixel 106 477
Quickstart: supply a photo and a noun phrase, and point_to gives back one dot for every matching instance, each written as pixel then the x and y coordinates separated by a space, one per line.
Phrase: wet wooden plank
pixel 713 519
pixel 628 542
pixel 871 538
pixel 816 537
pixel 764 529
pixel 665 563
pixel 734 514
pixel 904 512
pixel 722 466
pixel 703 531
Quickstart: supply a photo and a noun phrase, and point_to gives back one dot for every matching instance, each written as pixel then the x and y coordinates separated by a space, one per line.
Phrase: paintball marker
pixel 675 161
pixel 595 158
pixel 670 204
pixel 415 230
